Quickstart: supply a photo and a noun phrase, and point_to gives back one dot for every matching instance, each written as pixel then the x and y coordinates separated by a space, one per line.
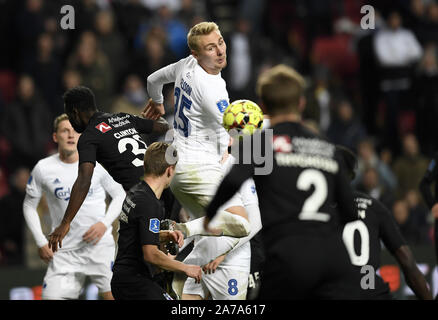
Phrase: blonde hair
pixel 58 120
pixel 280 89
pixel 155 161
pixel 200 29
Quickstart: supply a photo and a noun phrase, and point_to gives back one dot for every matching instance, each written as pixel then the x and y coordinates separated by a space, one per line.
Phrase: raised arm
pixel 78 194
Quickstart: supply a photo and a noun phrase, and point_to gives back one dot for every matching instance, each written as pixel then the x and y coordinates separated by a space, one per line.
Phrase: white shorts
pixel 67 271
pixel 194 185
pixel 224 284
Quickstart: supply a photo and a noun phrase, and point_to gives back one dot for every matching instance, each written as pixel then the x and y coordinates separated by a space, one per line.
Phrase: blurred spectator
pixel 130 14
pixel 134 97
pixel 153 56
pixel 12 220
pixel 346 129
pixel 27 125
pixel 370 184
pixel 426 100
pixel 70 79
pixel 45 69
pixel 110 40
pixel 240 65
pixel 409 167
pixel 95 69
pixel 319 97
pixel 192 12
pixel 419 215
pixel 396 50
pixel 175 31
pixel 29 25
pixel 407 223
pixel 368 158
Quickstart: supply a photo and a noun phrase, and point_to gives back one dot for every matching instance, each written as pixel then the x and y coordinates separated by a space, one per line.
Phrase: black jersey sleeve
pixel 148 223
pixel 142 125
pixel 87 148
pixel 344 194
pixel 429 177
pixel 389 232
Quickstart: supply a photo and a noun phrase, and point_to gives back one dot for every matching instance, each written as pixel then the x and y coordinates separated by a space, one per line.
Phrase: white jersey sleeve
pixel 160 77
pixel 117 194
pixel 30 204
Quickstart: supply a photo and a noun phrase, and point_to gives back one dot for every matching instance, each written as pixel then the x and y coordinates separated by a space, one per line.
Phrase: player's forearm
pixel 114 208
pixel 78 194
pixel 161 260
pixel 33 221
pixel 414 277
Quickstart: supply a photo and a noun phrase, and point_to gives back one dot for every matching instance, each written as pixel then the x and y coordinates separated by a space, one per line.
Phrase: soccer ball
pixel 243 115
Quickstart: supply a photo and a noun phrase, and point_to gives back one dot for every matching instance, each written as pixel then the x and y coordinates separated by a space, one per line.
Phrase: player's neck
pixel 287 117
pixel 68 156
pixel 156 184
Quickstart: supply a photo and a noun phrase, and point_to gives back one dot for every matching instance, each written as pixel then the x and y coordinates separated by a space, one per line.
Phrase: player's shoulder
pixel 48 162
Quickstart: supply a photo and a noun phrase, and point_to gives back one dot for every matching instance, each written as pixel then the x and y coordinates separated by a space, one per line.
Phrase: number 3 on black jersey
pixel 136 150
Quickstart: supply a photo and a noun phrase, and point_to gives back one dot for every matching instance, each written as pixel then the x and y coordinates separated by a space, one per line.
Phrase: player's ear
pixel 54 137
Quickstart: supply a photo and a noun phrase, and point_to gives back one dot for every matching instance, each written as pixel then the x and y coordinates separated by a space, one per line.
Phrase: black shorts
pixel 308 267
pixel 136 287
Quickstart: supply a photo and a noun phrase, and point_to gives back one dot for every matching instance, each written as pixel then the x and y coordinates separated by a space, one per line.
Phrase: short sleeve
pixel 142 125
pixel 389 231
pixel 34 183
pixel 87 148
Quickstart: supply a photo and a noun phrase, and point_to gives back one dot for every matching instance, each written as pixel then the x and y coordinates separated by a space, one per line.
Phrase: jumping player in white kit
pixel 226 277
pixel 89 247
pixel 199 137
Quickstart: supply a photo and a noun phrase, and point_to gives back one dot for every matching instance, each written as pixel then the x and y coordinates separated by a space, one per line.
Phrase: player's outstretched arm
pixel 153 255
pixel 77 197
pixel 413 275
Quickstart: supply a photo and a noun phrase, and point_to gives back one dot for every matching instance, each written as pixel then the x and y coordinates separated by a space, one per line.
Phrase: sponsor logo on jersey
pixel 103 127
pixel 283 144
pixel 222 105
pixel 154 225
pixel 56 181
pixel 64 194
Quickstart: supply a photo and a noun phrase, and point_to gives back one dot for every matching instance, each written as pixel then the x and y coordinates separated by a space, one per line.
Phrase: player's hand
pixel 194 272
pixel 95 233
pixel 435 210
pixel 45 253
pixel 212 266
pixel 177 237
pixel 153 110
pixel 55 238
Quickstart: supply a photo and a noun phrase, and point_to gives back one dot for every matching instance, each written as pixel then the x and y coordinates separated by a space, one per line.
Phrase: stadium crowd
pixel 372 90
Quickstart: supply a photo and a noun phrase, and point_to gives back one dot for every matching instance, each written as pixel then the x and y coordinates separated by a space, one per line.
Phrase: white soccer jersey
pixel 55 179
pixel 200 100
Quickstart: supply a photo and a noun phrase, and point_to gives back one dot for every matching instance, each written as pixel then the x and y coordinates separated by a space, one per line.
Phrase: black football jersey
pixel 306 177
pixel 139 225
pixel 114 141
pixel 363 237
